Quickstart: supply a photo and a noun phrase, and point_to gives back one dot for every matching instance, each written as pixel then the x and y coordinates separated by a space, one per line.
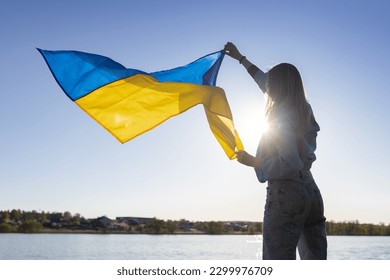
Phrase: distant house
pixel 102 222
pixel 133 221
pixel 86 224
pixel 185 225
pixel 119 227
pixel 237 226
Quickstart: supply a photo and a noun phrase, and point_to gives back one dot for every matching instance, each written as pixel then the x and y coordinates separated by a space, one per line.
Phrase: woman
pixel 294 212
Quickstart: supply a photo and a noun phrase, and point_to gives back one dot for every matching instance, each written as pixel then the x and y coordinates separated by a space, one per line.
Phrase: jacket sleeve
pixel 278 153
pixel 257 74
pixel 261 79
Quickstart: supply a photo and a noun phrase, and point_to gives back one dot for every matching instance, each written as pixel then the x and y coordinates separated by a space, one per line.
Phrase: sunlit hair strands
pixel 285 90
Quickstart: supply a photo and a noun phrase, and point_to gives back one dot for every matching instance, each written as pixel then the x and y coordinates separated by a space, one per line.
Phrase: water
pixel 168 247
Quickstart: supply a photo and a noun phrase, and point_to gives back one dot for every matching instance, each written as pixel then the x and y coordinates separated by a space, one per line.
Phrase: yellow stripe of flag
pixel 135 105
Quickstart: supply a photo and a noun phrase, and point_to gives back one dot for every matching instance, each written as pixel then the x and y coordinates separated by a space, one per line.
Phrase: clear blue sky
pixel 56 158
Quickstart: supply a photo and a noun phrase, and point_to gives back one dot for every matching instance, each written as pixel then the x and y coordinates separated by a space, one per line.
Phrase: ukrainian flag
pixel 129 102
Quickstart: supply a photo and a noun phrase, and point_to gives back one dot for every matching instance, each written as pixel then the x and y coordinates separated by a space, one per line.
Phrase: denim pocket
pixel 292 199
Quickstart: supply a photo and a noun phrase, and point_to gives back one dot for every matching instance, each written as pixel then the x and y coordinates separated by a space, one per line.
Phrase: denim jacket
pixel 282 153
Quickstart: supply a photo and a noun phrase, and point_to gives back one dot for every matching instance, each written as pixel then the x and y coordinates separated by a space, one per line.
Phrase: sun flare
pixel 251 124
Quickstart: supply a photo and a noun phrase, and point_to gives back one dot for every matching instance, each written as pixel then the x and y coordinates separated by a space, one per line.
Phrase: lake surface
pixel 168 247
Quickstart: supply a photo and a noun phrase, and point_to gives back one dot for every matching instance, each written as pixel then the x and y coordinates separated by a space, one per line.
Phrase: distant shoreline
pixel 18 221
pixel 93 232
pixel 62 231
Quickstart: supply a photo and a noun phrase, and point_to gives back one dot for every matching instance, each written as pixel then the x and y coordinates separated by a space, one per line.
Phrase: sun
pixel 250 122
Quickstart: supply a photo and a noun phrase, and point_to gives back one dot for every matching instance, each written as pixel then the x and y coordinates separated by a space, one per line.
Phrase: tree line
pixel 356 228
pixel 33 221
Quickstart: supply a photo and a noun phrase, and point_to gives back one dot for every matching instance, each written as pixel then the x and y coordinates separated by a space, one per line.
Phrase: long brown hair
pixel 285 91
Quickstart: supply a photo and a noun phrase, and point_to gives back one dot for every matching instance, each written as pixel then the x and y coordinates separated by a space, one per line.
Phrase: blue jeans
pixel 294 216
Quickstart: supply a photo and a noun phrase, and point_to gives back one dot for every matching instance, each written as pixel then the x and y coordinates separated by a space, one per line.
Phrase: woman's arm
pixel 247 159
pixel 257 74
